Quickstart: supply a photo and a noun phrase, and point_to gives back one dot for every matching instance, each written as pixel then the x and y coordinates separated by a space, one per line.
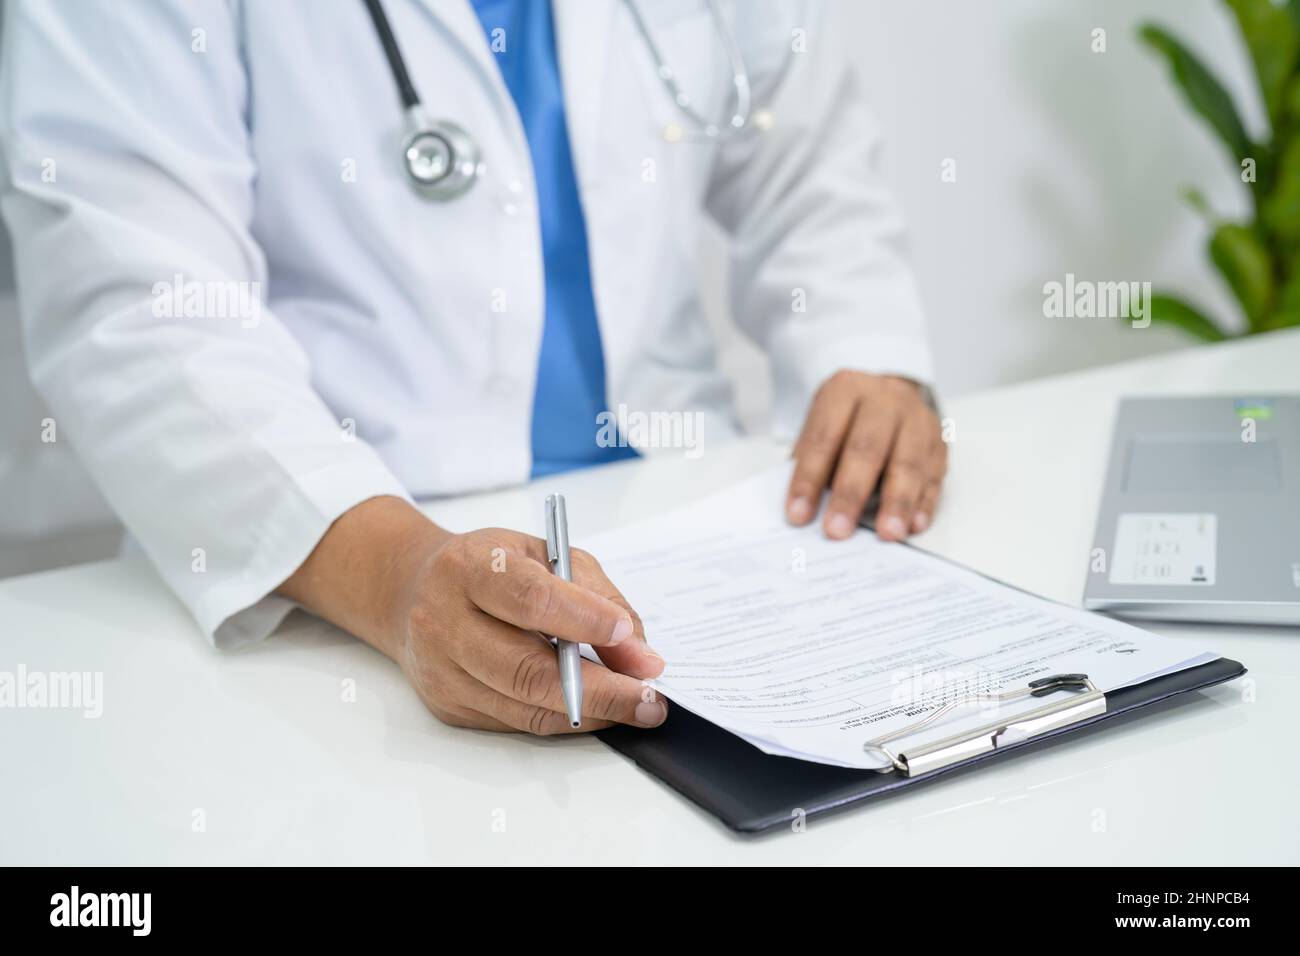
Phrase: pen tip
pixel 575 723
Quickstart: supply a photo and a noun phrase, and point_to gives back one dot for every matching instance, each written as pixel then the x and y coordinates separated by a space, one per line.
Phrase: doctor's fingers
pixel 916 462
pixel 459 716
pixel 480 707
pixel 818 448
pixel 866 449
pixel 524 669
pixel 527 595
pixel 929 503
pixel 633 657
pixel 511 716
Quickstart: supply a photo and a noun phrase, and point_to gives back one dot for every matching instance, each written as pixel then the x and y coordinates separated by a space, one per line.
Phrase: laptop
pixel 1200 515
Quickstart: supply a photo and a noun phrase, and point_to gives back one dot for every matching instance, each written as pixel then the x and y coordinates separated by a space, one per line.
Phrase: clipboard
pixel 752 792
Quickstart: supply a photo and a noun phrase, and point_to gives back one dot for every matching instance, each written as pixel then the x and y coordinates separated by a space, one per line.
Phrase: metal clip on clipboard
pixel 990 737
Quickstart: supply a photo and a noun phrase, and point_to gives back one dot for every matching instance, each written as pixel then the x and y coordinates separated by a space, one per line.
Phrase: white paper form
pixel 807 647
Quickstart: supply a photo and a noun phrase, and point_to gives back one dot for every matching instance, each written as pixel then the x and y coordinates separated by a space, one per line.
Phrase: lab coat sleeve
pixel 818 278
pixel 127 171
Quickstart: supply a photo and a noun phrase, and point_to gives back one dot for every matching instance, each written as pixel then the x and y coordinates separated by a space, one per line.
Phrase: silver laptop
pixel 1200 517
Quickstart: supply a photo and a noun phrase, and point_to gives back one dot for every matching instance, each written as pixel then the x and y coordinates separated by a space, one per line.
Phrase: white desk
pixel 285 772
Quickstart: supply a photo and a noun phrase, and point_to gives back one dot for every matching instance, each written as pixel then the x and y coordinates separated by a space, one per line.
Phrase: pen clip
pixel 552 545
pixel 552 531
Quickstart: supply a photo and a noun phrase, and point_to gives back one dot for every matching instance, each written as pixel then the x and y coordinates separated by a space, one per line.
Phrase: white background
pixel 1067 161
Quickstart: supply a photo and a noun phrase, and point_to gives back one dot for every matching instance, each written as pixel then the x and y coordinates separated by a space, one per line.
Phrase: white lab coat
pixel 258 142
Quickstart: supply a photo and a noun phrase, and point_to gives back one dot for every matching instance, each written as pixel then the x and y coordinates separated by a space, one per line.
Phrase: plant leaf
pixel 1292 106
pixel 1168 310
pixel 1205 93
pixel 1245 263
pixel 1288 293
pixel 1273 38
pixel 1280 208
pixel 1196 199
pixel 1282 319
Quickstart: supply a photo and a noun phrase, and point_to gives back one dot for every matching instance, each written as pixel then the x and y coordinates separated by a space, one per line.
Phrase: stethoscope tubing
pixel 396 62
pixel 461 167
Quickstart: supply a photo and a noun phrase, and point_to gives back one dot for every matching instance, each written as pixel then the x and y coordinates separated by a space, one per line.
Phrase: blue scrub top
pixel 571 370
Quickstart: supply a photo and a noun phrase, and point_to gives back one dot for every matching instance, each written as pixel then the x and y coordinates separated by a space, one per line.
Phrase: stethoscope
pixel 443 160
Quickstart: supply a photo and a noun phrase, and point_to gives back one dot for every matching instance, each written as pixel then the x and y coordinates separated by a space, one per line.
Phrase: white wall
pixel 1067 161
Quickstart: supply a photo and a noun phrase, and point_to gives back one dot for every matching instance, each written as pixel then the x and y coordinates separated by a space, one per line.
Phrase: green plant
pixel 1259 259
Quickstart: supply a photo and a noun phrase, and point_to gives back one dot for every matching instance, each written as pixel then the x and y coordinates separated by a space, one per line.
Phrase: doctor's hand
pixel 863 430
pixel 463 615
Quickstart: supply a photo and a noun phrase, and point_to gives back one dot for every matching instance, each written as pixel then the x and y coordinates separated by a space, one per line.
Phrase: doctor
pixel 283 267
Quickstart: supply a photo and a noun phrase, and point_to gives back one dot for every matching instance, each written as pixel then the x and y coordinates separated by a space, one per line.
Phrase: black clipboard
pixel 751 791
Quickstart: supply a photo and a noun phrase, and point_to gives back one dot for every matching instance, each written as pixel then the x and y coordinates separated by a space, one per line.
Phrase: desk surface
pixel 260 746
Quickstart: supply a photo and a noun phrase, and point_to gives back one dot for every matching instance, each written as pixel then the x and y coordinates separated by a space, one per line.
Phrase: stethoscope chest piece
pixel 442 159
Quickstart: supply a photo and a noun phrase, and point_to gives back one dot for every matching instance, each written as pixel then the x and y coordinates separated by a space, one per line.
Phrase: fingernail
pixel 921 522
pixel 893 527
pixel 799 510
pixel 622 631
pixel 839 526
pixel 650 714
pixel 652 652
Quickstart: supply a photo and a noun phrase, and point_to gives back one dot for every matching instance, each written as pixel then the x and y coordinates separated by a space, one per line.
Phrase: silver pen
pixel 557 552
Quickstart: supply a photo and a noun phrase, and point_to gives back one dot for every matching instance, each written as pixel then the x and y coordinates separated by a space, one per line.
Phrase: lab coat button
pixel 511 198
